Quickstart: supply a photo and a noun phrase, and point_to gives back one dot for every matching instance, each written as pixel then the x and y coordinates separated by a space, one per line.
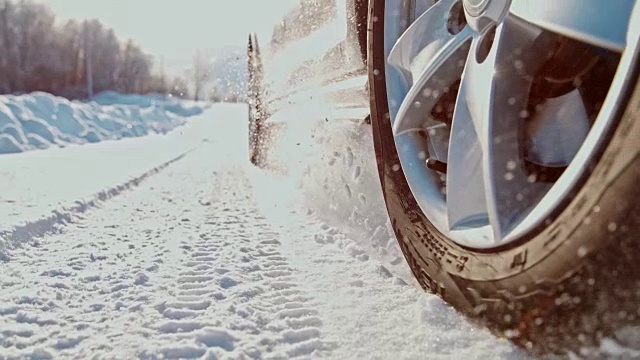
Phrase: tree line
pixel 73 59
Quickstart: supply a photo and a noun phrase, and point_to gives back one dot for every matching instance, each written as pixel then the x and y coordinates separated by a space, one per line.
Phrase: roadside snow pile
pixel 41 120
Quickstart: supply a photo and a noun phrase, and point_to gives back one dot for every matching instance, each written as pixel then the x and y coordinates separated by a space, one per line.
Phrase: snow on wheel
pixel 506 134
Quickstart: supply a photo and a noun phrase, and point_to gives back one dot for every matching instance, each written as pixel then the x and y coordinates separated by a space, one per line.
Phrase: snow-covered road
pixel 211 258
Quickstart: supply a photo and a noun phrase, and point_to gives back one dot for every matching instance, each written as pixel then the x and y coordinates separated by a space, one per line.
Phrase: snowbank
pixel 41 120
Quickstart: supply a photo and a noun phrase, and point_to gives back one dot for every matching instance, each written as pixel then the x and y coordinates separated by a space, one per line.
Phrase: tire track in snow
pixel 31 229
pixel 182 267
pixel 90 288
pixel 237 262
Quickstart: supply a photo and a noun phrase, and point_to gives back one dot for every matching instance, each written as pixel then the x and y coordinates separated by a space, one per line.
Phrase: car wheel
pixel 507 136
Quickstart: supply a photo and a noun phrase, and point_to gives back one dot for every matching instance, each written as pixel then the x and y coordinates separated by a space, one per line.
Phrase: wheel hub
pixel 476 7
pixel 481 14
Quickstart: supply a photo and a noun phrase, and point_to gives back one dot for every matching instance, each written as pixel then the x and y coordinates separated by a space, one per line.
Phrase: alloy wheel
pixel 497 106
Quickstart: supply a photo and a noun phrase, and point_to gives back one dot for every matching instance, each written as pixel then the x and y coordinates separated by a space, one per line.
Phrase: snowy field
pixel 173 246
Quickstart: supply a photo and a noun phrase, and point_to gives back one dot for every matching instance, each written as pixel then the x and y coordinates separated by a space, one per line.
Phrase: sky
pixel 176 29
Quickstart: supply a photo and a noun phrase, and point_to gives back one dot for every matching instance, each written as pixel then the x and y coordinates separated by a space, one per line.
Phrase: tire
pixel 566 286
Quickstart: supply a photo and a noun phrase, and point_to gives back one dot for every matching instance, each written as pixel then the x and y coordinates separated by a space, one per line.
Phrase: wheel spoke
pixel 466 201
pixel 486 179
pixel 423 40
pixel 597 22
pixel 444 69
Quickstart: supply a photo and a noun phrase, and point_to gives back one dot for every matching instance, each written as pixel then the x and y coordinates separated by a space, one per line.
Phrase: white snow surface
pixel 203 256
pixel 41 120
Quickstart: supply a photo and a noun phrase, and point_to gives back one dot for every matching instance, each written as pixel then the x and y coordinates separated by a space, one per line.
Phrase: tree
pixel 200 73
pixel 102 54
pixel 35 24
pixel 70 50
pixel 73 59
pixel 8 46
pixel 179 88
pixel 135 72
pixel 156 84
pixel 215 94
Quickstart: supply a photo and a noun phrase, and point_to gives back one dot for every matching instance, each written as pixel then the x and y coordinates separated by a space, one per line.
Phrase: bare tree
pixel 136 69
pixel 8 46
pixel 72 59
pixel 179 88
pixel 200 73
pixel 103 58
pixel 26 34
pixel 70 49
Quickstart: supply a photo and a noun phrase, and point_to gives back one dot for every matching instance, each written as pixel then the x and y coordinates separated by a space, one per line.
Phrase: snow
pixel 40 120
pixel 43 188
pixel 209 257
pixel 172 245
